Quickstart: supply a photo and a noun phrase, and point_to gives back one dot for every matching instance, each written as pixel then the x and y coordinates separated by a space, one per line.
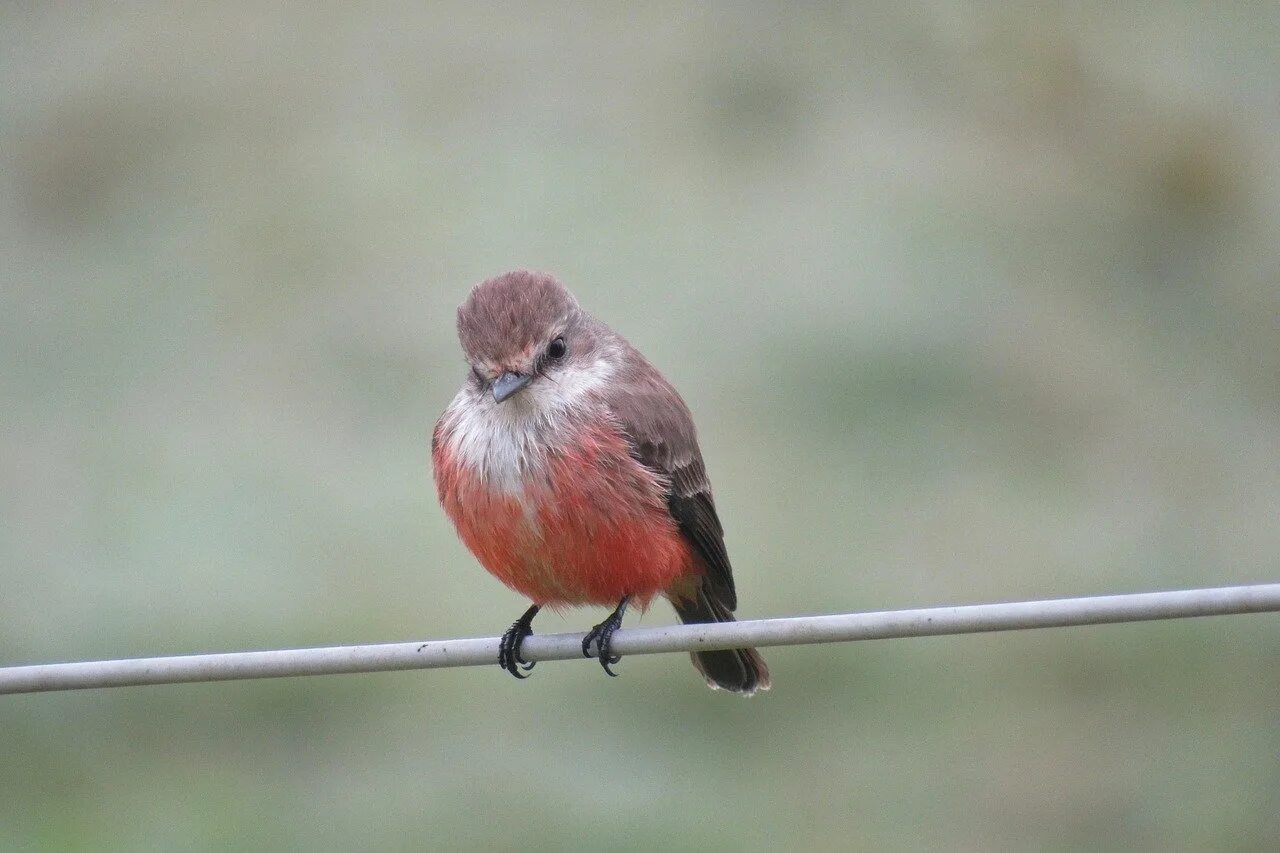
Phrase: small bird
pixel 571 470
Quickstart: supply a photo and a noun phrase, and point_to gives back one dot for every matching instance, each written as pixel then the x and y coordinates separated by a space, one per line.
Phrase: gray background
pixel 972 302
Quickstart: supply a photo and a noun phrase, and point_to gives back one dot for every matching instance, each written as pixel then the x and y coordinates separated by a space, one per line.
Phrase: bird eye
pixel 556 349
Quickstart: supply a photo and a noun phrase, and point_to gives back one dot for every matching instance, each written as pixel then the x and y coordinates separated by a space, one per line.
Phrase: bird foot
pixel 509 647
pixel 602 636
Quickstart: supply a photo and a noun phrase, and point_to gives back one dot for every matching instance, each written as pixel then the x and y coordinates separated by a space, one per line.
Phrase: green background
pixel 972 302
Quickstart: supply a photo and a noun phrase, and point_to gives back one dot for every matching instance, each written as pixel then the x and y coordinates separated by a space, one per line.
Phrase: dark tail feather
pixel 736 670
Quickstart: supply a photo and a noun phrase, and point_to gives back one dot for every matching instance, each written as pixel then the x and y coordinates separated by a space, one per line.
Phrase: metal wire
pixel 799 630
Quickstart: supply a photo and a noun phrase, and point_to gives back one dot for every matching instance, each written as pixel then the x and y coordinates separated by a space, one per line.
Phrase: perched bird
pixel 570 468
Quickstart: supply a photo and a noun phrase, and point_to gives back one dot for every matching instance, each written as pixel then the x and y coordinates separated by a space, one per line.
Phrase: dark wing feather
pixel 657 424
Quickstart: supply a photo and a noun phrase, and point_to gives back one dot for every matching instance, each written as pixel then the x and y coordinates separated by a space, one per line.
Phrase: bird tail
pixel 736 670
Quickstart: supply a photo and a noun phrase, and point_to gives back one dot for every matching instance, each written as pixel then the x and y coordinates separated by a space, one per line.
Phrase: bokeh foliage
pixel 972 303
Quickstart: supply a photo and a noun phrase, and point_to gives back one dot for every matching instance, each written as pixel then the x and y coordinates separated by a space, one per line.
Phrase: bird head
pixel 523 329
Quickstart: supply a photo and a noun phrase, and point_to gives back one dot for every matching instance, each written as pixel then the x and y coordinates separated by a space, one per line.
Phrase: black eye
pixel 556 349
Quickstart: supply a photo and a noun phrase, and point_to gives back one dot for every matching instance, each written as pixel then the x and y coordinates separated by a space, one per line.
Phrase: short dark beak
pixel 507 384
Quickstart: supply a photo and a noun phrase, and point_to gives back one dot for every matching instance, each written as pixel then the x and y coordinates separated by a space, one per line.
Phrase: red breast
pixel 584 523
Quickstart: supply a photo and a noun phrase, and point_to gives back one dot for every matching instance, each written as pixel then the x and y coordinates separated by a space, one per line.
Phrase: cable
pixel 797 630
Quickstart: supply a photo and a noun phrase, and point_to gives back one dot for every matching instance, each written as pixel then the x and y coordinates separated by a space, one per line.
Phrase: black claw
pixel 602 636
pixel 509 647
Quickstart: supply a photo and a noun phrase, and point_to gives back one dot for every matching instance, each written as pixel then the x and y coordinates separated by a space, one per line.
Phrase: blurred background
pixel 972 302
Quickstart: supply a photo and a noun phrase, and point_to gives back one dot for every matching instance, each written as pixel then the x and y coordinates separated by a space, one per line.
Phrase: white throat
pixel 505 443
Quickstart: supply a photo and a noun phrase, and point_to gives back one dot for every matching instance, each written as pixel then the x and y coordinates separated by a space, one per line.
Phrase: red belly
pixel 588 526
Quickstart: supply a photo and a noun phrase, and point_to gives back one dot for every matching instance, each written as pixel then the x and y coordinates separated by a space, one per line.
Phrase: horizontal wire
pixel 798 630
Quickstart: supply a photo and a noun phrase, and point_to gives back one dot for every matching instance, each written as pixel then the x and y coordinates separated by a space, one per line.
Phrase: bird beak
pixel 509 383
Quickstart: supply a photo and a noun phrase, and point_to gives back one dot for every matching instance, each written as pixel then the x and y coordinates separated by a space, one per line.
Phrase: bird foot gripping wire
pixel 602 636
pixel 509 646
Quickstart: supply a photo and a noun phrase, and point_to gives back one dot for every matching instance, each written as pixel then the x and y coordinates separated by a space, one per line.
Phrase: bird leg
pixel 602 634
pixel 509 647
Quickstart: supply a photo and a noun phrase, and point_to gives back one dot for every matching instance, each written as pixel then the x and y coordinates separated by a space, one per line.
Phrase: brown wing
pixel 657 424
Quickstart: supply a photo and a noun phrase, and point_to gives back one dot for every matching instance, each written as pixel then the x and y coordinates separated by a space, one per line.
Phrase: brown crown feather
pixel 507 315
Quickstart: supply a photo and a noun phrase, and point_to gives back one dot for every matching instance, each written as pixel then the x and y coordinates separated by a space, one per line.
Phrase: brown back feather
pixel 659 427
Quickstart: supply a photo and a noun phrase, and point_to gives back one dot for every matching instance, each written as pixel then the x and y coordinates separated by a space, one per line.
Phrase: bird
pixel 571 470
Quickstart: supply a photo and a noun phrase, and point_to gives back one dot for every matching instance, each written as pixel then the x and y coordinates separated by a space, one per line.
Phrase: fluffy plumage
pixel 588 484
